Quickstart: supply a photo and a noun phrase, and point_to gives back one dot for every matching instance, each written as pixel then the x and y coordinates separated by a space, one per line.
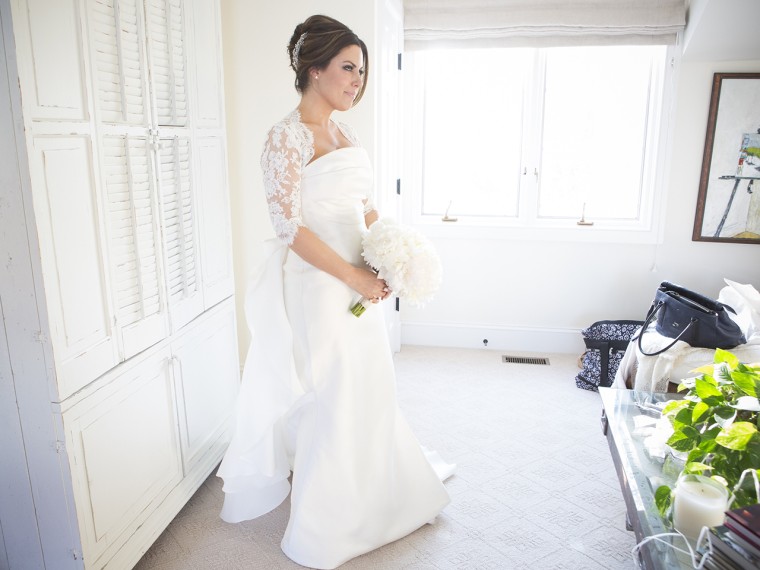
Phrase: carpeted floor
pixel 535 486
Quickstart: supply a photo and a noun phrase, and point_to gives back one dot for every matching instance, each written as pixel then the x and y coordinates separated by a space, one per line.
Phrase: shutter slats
pixel 118 61
pixel 167 56
pixel 178 218
pixel 133 227
pixel 151 257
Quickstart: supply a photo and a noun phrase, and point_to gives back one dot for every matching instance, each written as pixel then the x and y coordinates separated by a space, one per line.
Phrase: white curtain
pixel 541 23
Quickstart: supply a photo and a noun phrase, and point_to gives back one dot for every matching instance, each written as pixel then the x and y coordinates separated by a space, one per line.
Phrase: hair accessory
pixel 297 50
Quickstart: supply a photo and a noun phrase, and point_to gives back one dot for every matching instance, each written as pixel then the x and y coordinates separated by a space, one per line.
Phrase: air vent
pixel 524 360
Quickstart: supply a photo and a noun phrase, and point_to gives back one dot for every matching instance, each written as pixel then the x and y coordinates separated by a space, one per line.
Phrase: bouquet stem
pixel 358 309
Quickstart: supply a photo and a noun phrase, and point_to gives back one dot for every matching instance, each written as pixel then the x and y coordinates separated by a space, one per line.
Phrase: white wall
pixel 259 92
pixel 536 296
pixel 530 296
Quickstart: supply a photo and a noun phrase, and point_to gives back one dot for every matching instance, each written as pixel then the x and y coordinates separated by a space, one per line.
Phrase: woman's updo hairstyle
pixel 313 45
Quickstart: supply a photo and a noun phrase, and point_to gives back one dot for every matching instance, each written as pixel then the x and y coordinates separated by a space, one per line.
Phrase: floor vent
pixel 524 360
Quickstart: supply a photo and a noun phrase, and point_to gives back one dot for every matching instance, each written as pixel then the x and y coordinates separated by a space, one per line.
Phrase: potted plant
pixel 716 424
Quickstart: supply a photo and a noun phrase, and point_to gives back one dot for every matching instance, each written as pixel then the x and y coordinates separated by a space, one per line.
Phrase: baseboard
pixel 515 339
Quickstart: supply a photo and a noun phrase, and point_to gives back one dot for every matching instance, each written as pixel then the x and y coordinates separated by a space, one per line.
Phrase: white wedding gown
pixel 318 392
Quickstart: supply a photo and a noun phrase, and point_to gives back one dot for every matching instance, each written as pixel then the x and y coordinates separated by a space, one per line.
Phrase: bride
pixel 318 392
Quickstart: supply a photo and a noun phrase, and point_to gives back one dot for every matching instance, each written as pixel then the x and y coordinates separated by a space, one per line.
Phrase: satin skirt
pixel 318 399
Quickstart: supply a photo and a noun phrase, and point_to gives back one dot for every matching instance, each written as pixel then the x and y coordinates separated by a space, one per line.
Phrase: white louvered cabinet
pixel 124 122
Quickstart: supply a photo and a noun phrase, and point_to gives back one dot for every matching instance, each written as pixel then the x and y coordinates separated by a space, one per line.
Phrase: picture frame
pixel 728 203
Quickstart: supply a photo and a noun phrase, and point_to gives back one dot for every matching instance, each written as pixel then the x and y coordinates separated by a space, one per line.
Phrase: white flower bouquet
pixel 404 258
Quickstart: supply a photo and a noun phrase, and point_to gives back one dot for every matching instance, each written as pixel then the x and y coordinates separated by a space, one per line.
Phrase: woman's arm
pixel 370 217
pixel 316 252
pixel 282 161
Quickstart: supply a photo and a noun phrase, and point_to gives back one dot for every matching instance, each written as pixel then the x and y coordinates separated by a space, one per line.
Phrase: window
pixel 540 138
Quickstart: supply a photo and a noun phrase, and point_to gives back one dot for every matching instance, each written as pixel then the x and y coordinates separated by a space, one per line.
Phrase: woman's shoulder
pixel 290 124
pixel 291 132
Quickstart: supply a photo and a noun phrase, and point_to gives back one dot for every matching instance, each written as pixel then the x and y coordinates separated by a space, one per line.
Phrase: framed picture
pixel 728 206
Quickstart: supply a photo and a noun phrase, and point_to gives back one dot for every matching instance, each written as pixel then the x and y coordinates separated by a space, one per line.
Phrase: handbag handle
pixel 652 314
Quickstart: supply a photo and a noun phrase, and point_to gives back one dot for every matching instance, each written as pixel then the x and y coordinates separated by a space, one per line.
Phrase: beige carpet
pixel 535 486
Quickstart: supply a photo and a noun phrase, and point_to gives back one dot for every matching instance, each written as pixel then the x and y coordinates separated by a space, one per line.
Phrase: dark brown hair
pixel 325 37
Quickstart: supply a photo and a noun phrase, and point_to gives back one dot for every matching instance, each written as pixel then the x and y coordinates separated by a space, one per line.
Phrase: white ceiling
pixel 722 30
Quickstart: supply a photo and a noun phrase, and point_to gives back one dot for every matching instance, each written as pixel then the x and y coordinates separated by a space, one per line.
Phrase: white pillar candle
pixel 699 501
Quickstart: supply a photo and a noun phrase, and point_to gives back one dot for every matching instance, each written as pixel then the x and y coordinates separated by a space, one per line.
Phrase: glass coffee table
pixel 639 473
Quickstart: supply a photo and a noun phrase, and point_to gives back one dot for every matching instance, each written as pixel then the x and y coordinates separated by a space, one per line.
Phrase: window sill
pixel 478 229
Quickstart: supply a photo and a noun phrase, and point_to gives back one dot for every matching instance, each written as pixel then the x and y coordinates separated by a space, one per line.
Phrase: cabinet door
pixel 134 241
pixel 65 200
pixel 50 59
pixel 118 61
pixel 179 223
pixel 215 232
pixel 167 61
pixel 128 188
pixel 124 454
pixel 208 93
pixel 52 76
pixel 208 378
pixel 121 170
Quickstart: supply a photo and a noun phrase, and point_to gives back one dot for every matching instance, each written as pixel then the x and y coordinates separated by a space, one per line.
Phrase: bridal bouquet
pixel 404 258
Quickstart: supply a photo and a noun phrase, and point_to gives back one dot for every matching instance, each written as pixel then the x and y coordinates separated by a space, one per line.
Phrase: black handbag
pixel 695 319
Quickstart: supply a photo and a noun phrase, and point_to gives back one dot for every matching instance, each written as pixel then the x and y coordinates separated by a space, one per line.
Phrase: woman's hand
pixel 361 279
pixel 368 285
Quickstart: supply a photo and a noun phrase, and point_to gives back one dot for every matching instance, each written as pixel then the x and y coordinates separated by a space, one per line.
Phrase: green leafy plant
pixel 716 424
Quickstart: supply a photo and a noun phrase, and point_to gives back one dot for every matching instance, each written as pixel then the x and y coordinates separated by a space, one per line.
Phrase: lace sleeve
pixel 282 161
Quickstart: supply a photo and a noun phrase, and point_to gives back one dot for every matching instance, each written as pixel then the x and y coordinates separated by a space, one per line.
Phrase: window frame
pixel 527 225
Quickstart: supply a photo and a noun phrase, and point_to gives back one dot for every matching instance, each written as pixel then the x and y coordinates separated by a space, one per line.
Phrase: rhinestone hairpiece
pixel 297 50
